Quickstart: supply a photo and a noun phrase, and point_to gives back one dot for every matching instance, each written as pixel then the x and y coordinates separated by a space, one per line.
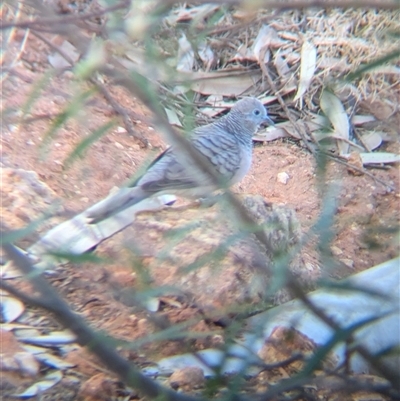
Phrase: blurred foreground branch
pixel 49 299
pixel 271 4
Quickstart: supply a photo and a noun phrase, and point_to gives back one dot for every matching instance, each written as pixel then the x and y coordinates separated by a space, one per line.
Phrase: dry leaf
pixel 270 99
pixel 43 355
pixel 171 301
pixel 307 68
pixel 320 120
pixel 292 132
pixel 334 110
pixel 185 55
pixel 371 140
pixel 184 14
pixel 293 37
pixel 270 135
pixel 292 57
pixel 281 66
pixel 243 53
pixel 12 308
pixel 230 84
pixel 56 60
pixel 281 130
pixel 215 100
pixel 48 381
pixel 288 127
pixel 52 339
pixel 14 326
pixel 173 118
pixel 379 158
pixel 264 40
pixel 360 119
pixel 206 55
pixel 387 136
pixel 243 14
pixel 53 361
pixel 19 361
pixel 217 105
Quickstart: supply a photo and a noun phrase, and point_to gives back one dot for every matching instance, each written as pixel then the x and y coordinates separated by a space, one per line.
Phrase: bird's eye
pixel 256 112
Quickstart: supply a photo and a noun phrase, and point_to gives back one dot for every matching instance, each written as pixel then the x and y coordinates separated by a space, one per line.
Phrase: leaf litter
pixel 224 61
pixel 341 41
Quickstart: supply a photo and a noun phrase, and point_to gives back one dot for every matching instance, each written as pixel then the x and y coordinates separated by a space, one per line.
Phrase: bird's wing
pixel 167 172
pixel 222 150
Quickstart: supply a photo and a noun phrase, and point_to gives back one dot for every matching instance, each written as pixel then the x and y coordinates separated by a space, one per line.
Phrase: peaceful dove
pixel 226 144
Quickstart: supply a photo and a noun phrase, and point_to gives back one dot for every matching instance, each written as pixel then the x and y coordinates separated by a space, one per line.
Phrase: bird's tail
pixel 78 235
pixel 115 203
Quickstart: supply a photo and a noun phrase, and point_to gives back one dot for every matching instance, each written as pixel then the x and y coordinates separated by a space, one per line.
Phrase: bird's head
pixel 250 113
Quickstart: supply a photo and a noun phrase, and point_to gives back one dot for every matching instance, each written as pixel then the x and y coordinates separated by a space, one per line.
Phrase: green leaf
pixel 73 108
pixel 12 236
pixel 339 336
pixel 79 258
pixel 37 88
pixel 89 140
pixel 373 64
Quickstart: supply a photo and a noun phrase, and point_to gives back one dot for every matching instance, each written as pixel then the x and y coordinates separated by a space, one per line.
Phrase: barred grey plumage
pixel 226 144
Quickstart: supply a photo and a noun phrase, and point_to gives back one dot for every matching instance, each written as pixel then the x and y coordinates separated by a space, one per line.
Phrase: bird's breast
pixel 244 165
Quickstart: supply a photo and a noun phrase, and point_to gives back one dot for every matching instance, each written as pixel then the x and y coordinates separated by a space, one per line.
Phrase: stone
pixel 283 177
pixel 187 378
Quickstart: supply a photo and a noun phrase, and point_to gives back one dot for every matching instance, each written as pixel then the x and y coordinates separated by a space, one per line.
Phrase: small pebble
pixel 348 262
pixel 283 178
pixel 68 74
pixel 58 100
pixel 12 128
pixel 192 377
pixel 121 130
pixel 336 251
pixel 144 326
pixel 118 145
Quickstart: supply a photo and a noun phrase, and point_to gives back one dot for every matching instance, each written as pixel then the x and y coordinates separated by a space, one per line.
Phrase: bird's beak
pixel 268 121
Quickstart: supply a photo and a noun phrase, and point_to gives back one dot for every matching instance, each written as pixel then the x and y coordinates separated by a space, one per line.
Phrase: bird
pixel 226 144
